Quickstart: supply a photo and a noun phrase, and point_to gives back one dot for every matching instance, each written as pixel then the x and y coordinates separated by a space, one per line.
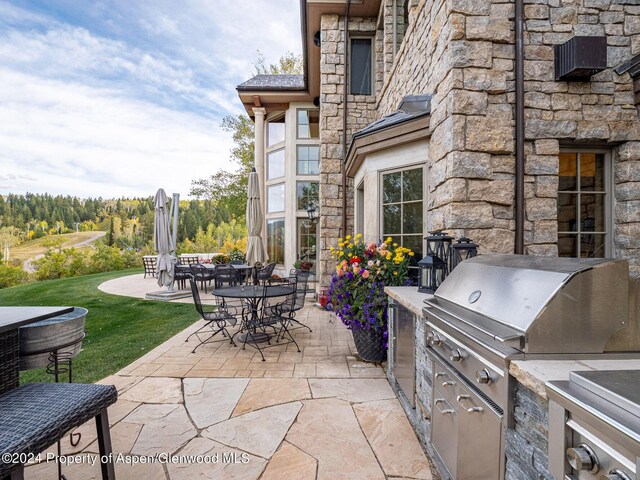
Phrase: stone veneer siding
pixel 526 445
pixel 462 51
pixel 361 112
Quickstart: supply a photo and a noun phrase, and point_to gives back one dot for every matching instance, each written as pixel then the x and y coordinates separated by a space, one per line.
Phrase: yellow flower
pixel 348 237
pixel 350 255
pixel 388 256
pixel 340 239
pixel 359 235
pixel 395 244
pixel 411 254
pixel 395 273
pixel 389 240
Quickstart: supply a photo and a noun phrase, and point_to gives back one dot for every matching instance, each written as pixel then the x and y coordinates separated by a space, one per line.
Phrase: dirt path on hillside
pixel 27 266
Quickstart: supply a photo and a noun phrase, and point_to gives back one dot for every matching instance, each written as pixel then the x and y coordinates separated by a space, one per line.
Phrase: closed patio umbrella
pixel 162 240
pixel 256 252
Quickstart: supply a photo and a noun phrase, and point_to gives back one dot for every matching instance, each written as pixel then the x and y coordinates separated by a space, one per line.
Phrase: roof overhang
pixel 414 129
pixel 311 12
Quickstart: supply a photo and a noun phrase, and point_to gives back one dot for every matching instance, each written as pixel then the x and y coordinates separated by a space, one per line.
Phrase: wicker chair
pixel 216 320
pixel 37 415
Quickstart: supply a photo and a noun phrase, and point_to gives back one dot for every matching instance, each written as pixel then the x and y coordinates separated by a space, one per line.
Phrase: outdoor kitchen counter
pixel 409 297
pixel 533 374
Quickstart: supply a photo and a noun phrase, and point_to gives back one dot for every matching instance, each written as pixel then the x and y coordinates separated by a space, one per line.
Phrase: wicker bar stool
pixel 36 415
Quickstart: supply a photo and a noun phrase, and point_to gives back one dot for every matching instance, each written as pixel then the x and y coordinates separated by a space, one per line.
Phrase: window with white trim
pixel 402 208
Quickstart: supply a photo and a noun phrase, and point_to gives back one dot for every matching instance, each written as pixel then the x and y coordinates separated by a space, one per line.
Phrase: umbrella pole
pixel 175 205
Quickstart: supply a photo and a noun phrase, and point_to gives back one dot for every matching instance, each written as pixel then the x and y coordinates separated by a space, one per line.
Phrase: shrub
pixel 11 276
pixel 61 262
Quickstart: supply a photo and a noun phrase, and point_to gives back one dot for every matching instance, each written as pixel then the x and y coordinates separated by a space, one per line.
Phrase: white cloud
pixel 120 98
pixel 74 138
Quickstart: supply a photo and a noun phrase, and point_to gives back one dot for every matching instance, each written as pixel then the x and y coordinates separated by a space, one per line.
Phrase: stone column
pixel 259 162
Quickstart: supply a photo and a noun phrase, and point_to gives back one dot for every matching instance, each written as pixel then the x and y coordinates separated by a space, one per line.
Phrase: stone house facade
pixel 392 165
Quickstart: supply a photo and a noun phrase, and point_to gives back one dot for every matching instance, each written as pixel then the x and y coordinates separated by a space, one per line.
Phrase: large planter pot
pixel 370 345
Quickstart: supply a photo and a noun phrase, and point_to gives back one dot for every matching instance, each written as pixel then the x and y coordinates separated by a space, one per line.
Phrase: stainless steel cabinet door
pixel 404 350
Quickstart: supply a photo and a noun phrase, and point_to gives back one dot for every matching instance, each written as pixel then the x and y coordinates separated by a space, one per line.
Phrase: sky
pixel 118 98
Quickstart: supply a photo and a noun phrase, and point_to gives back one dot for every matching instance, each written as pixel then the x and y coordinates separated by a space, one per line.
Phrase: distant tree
pixel 289 63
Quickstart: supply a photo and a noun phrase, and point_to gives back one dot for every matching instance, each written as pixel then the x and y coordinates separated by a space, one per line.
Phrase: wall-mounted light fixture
pixel 313 213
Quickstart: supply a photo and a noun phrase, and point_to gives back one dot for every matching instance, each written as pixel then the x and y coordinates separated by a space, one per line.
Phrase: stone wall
pixel 600 111
pixel 462 52
pixel 459 52
pixel 526 445
pixel 360 112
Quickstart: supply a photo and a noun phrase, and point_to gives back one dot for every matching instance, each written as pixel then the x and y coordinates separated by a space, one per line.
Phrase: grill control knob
pixel 436 340
pixel 456 355
pixel 483 376
pixel 615 475
pixel 583 458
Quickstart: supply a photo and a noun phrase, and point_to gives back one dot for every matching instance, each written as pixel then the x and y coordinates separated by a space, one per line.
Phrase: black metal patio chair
pixel 216 321
pixel 181 274
pixel 264 274
pixel 202 274
pixel 227 274
pixel 297 300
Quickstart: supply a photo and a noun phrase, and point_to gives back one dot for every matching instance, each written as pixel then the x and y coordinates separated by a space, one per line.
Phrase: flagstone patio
pixel 318 414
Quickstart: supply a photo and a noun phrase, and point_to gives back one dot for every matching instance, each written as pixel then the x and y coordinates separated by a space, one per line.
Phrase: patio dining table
pixel 11 319
pixel 254 295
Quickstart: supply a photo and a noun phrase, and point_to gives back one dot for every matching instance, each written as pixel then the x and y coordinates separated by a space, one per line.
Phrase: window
pixel 275 198
pixel 307 239
pixel 308 160
pixel 583 204
pixel 402 204
pixel 275 164
pixel 307 192
pixel 360 72
pixel 308 121
pixel 275 131
pixel 275 240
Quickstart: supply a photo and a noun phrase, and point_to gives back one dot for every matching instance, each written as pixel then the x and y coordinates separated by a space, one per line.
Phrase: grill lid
pixel 559 305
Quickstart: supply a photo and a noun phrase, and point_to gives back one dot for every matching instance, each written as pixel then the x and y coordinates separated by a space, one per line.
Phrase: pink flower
pixel 365 274
pixel 356 269
pixel 378 263
pixel 370 263
pixel 339 272
pixel 372 246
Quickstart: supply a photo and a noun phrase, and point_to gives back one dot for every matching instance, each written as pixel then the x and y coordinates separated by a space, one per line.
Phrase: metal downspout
pixel 344 119
pixel 519 187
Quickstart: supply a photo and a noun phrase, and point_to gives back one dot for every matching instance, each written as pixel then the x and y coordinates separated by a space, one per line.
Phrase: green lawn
pixel 119 329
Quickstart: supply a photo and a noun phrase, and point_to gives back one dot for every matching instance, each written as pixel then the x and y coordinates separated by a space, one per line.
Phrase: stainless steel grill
pixel 594 426
pixel 493 309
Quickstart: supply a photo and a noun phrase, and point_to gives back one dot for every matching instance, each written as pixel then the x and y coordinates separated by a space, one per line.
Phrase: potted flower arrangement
pixel 303 265
pixel 357 290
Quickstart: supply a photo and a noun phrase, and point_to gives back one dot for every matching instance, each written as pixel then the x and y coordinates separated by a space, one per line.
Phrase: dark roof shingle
pixel 412 106
pixel 273 82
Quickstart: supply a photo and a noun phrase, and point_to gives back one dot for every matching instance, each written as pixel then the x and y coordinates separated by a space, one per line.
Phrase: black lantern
pixel 432 272
pixel 461 250
pixel 312 213
pixel 439 244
